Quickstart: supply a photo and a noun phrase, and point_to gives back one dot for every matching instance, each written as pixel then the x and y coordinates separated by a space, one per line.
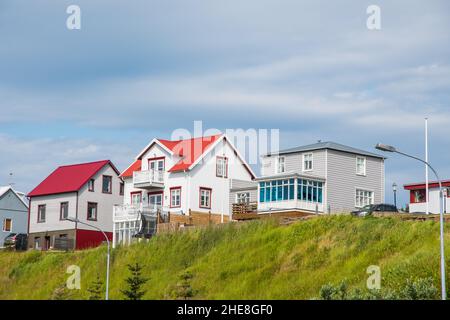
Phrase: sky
pixel 141 69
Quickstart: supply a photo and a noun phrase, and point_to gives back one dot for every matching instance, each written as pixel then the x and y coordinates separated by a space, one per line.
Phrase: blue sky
pixel 141 69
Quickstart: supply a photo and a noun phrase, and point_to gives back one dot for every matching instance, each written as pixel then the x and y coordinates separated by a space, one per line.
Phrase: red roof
pixel 135 166
pixel 422 185
pixel 190 150
pixel 69 178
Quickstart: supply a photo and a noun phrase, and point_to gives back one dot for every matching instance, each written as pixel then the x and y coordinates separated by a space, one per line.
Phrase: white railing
pixel 123 212
pixel 148 177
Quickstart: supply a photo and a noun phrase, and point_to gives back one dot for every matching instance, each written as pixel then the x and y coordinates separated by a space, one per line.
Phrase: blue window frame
pixel 277 190
pixel 310 191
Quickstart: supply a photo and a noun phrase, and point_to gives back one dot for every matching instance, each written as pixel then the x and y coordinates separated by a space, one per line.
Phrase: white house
pixel 183 176
pixel 85 191
pixel 418 199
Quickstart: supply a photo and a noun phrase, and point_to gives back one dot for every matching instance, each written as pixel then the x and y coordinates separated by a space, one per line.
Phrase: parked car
pixel 371 208
pixel 16 241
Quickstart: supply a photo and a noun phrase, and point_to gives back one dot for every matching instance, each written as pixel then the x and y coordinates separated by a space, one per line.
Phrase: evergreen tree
pixel 61 293
pixel 96 289
pixel 184 289
pixel 135 283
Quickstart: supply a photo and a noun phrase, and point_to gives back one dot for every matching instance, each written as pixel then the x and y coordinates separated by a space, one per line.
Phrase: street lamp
pixel 387 148
pixel 394 188
pixel 76 220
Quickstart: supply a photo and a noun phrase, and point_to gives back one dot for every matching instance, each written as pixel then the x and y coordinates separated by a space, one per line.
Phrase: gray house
pixel 324 177
pixel 13 213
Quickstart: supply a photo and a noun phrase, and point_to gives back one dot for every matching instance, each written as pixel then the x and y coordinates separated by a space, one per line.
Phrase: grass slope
pixel 255 260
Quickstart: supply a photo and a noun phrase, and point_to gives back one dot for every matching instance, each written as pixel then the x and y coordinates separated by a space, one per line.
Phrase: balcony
pixel 131 212
pixel 148 179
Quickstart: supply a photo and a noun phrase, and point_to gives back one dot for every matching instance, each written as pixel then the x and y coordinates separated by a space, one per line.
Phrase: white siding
pixel 53 204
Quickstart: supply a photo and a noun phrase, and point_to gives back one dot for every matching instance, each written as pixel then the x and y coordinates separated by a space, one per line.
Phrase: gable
pixel 70 178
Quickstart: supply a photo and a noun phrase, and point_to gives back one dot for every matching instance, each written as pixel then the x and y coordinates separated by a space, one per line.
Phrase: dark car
pixel 371 208
pixel 16 241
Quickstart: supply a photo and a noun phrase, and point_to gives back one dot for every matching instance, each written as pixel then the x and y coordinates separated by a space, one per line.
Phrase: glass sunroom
pixel 291 193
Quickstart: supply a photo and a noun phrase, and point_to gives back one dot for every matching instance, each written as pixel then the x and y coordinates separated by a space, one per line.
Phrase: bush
pixel 421 289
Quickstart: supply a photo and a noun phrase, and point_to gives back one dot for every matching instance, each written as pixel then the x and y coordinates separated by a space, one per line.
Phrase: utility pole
pixel 427 182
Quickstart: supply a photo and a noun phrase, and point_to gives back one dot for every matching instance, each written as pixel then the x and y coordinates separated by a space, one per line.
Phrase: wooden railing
pixel 240 208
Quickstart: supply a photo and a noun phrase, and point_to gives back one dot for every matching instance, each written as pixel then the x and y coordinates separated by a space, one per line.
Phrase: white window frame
pixel 304 168
pixel 39 216
pixel 10 225
pixel 221 167
pixel 365 166
pixel 246 197
pixel 206 194
pixel 281 164
pixel 175 195
pixel 359 198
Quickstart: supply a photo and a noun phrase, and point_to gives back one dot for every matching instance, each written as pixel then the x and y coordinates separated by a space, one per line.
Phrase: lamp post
pixel 76 220
pixel 387 148
pixel 394 188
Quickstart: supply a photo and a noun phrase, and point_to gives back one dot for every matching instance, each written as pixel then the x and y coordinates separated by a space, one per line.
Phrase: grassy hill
pixel 255 260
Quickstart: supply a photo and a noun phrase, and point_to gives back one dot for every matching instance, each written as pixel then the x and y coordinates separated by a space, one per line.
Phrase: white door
pixel 155 201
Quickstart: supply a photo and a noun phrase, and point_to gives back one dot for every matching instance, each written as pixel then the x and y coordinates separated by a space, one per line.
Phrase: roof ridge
pixel 210 136
pixel 83 163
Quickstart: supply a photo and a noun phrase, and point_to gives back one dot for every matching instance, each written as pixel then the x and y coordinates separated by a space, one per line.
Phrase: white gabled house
pixel 180 177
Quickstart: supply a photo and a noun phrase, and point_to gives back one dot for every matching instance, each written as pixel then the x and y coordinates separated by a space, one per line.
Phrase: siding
pixel 239 186
pixel 12 207
pixel 294 163
pixel 342 180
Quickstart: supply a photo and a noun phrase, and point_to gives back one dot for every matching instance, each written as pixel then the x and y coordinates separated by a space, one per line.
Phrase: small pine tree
pixel 183 290
pixel 61 293
pixel 134 282
pixel 95 289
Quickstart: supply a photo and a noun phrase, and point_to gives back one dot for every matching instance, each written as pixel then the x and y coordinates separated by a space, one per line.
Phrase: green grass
pixel 255 260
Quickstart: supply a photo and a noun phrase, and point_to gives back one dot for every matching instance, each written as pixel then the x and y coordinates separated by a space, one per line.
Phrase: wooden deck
pixel 279 215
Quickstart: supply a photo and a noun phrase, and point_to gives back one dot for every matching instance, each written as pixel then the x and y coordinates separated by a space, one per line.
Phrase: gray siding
pixel 342 180
pixel 238 186
pixel 294 163
pixel 13 208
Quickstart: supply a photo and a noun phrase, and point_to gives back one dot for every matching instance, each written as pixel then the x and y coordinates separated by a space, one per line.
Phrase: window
pixel 64 211
pixel 418 196
pixel 175 197
pixel 91 185
pixel 243 197
pixel 281 165
pixel 222 167
pixel 156 164
pixel 136 198
pixel 107 184
pixel 41 213
pixel 310 191
pixel 361 166
pixel 363 198
pixel 92 211
pixel 308 162
pixel 122 189
pixel 7 225
pixel 276 190
pixel 205 198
